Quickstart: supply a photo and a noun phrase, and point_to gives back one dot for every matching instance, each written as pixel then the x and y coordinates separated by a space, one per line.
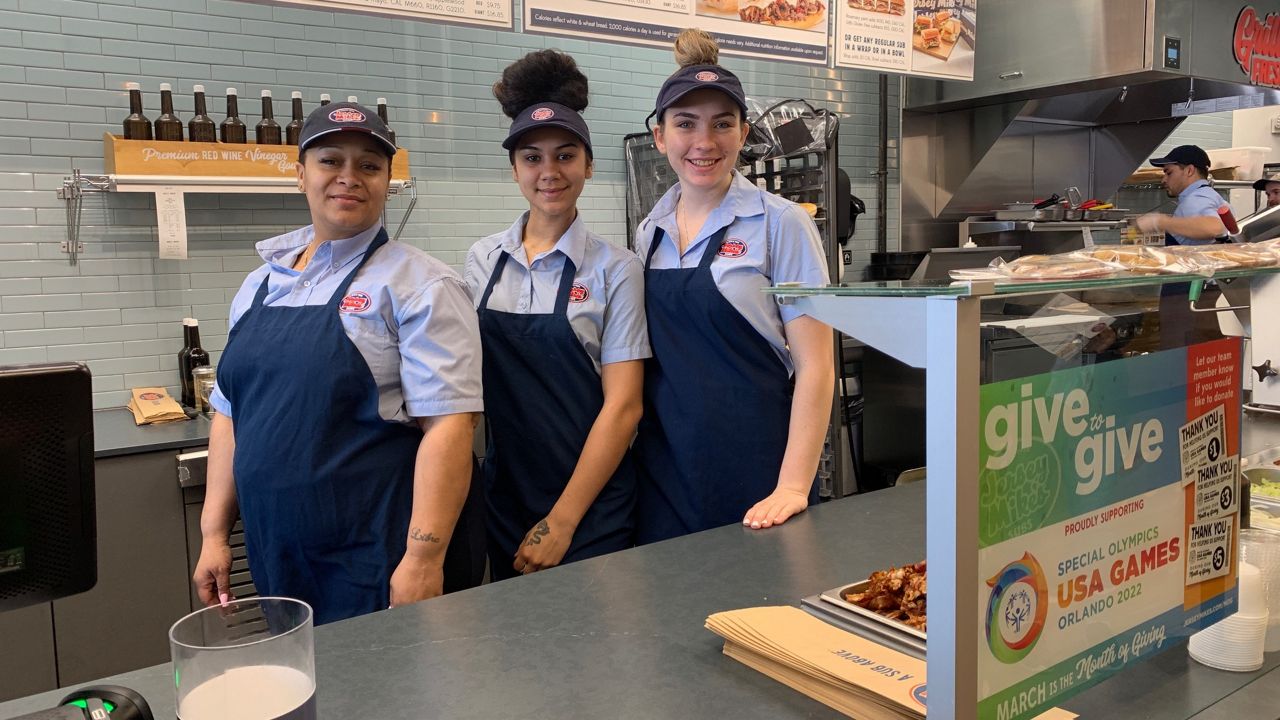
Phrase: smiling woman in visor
pixel 345 401
pixel 562 321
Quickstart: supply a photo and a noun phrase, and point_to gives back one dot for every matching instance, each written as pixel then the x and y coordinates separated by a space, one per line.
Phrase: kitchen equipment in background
pixel 247 658
pixel 894 265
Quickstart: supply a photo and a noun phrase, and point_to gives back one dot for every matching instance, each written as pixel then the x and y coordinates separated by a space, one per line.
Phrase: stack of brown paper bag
pixel 859 678
pixel 851 674
pixel 152 406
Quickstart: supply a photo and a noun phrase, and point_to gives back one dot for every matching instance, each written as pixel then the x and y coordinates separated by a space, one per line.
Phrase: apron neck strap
pixel 567 274
pixel 378 241
pixel 493 279
pixel 713 247
pixel 658 235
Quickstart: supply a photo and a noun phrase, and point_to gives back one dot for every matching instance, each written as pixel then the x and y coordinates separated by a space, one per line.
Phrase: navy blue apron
pixel 717 406
pixel 324 484
pixel 542 394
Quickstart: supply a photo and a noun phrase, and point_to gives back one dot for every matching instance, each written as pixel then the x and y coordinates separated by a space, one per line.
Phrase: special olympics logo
pixel 542 113
pixel 1016 609
pixel 347 115
pixel 707 76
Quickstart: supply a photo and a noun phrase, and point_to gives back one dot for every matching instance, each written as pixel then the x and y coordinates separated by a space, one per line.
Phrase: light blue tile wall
pixel 63 66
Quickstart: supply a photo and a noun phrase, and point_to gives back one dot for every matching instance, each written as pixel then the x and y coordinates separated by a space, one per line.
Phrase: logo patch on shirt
pixel 707 76
pixel 578 293
pixel 542 113
pixel 355 302
pixel 732 248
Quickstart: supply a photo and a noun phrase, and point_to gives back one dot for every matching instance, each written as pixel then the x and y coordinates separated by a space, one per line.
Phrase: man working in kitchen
pixel 1195 220
pixel 1269 185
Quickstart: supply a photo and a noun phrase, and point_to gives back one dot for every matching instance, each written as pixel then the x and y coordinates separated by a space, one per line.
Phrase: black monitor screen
pixel 48 532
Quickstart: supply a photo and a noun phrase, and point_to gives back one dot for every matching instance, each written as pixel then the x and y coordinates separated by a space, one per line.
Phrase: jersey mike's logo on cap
pixel 707 76
pixel 347 115
pixel 355 302
pixel 542 113
pixel 732 248
pixel 578 293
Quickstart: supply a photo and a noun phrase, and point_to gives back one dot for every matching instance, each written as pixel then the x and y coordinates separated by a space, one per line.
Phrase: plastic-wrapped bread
pixel 1227 257
pixel 1146 260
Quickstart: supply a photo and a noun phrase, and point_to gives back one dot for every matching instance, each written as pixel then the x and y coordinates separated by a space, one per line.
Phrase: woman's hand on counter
pixel 212 577
pixel 416 578
pixel 775 509
pixel 543 546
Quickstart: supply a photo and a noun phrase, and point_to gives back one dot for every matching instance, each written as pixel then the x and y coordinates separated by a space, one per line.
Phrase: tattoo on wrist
pixel 416 534
pixel 539 531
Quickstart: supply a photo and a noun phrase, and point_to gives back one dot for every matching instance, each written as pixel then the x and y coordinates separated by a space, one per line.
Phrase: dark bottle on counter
pixel 190 357
pixel 382 115
pixel 294 128
pixel 267 131
pixel 201 128
pixel 168 126
pixel 233 130
pixel 324 99
pixel 136 126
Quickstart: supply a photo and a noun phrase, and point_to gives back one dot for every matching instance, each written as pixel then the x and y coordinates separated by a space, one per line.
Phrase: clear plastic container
pixel 1261 548
pixel 253 659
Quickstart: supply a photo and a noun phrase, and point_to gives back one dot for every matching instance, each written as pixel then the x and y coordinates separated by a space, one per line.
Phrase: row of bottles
pixel 190 357
pixel 232 129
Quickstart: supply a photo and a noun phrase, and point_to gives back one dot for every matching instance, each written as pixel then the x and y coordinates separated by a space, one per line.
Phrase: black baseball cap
pixel 1185 155
pixel 699 77
pixel 1270 177
pixel 344 117
pixel 548 114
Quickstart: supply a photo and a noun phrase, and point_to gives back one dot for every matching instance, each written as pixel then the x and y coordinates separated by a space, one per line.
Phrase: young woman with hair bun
pixel 563 330
pixel 738 392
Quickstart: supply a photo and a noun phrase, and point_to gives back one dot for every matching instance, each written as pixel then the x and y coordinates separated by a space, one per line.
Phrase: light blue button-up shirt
pixel 607 309
pixel 1197 199
pixel 777 242
pixel 419 334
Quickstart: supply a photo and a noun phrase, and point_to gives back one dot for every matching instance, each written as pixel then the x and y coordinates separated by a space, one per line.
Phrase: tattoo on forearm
pixel 416 534
pixel 539 531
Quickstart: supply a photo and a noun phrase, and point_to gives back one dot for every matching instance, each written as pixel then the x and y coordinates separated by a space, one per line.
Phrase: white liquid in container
pixel 254 692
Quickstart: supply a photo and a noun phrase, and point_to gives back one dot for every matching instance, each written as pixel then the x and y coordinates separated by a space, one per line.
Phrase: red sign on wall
pixel 1256 45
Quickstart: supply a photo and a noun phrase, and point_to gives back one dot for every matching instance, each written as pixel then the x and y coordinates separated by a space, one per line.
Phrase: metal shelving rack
pixel 802 177
pixel 75 187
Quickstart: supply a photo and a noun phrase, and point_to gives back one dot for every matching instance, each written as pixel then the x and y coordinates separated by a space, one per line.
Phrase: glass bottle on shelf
pixel 136 126
pixel 201 128
pixel 324 99
pixel 168 126
pixel 232 129
pixel 294 128
pixel 382 115
pixel 267 131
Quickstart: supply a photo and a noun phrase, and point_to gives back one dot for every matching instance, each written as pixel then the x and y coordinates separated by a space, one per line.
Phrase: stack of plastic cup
pixel 1236 643
pixel 1261 548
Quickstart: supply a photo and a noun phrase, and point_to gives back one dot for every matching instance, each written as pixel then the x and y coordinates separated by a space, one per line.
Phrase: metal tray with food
pixel 1109 214
pixel 1048 214
pixel 873 630
pixel 836 596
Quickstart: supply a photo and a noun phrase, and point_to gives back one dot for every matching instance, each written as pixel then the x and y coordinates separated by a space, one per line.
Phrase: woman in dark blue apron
pixel 345 401
pixel 562 322
pixel 738 392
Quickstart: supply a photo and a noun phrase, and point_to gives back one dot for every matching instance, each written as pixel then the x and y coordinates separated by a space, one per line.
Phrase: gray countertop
pixel 622 636
pixel 114 433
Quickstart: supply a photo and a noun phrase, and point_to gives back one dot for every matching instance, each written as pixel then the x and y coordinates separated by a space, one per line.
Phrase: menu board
pixel 1108 519
pixel 795 30
pixel 930 38
pixel 489 13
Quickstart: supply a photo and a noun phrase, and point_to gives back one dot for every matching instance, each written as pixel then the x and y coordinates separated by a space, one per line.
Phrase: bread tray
pixel 836 597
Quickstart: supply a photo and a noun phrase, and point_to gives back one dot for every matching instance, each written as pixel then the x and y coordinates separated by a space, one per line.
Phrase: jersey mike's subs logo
pixel 542 113
pixel 732 248
pixel 355 302
pixel 578 293
pixel 1256 45
pixel 346 115
pixel 707 76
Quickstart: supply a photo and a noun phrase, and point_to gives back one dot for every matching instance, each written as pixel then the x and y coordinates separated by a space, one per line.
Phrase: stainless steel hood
pixel 1069 93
